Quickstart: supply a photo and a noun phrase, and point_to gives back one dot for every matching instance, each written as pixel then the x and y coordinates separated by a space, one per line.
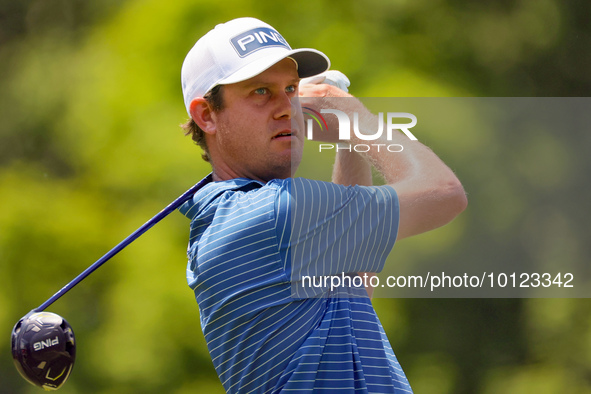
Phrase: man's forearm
pixel 350 168
pixel 428 190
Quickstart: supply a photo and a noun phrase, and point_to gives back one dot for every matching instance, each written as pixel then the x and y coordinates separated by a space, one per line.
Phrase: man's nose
pixel 284 106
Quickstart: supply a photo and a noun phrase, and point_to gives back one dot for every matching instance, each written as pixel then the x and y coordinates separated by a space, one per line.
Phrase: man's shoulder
pixel 230 192
pixel 306 186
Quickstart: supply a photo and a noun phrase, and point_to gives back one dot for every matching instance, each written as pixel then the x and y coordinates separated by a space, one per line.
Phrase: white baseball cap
pixel 238 50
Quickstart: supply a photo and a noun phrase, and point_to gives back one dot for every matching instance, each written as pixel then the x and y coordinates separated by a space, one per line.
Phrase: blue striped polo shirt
pixel 267 329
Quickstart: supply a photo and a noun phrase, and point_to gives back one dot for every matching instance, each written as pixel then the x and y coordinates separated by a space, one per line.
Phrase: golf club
pixel 43 343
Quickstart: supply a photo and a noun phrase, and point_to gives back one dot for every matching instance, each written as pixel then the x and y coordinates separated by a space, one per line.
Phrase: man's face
pixel 259 132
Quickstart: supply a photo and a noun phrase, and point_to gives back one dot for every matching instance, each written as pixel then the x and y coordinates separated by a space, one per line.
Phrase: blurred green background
pixel 90 148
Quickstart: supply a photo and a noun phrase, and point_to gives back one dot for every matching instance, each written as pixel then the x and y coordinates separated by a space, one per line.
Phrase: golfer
pixel 256 231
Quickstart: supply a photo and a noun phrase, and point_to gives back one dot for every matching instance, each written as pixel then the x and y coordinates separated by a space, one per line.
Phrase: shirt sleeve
pixel 329 229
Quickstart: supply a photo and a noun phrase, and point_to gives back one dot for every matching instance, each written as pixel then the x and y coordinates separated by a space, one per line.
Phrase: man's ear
pixel 202 114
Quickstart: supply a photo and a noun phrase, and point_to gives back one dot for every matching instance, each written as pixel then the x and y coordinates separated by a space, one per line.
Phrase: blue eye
pixel 261 91
pixel 290 89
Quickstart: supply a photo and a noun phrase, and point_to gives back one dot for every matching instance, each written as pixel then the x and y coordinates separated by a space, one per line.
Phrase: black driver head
pixel 43 349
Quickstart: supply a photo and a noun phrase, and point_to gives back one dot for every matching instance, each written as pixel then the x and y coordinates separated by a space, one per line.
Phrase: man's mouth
pixel 283 134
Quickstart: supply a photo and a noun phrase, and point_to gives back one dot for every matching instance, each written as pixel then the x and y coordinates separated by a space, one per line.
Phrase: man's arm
pixel 429 193
pixel 352 169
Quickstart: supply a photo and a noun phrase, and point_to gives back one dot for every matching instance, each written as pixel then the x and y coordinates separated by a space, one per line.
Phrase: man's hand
pixel 326 91
pixel 330 77
pixel 317 97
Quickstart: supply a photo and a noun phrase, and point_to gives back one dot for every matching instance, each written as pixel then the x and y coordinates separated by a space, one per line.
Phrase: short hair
pixel 215 99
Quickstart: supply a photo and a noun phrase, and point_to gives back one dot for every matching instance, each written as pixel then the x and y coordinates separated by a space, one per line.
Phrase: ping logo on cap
pixel 258 38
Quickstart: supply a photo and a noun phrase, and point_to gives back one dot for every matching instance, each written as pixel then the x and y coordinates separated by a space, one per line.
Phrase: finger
pixel 313 90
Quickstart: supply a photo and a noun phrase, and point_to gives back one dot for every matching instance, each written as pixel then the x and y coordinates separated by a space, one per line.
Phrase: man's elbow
pixel 449 200
pixel 425 209
pixel 455 197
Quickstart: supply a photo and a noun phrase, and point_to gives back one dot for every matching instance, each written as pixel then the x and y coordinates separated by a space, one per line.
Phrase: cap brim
pixel 310 62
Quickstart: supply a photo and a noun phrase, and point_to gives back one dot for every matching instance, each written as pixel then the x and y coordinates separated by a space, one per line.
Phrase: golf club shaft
pixel 132 237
